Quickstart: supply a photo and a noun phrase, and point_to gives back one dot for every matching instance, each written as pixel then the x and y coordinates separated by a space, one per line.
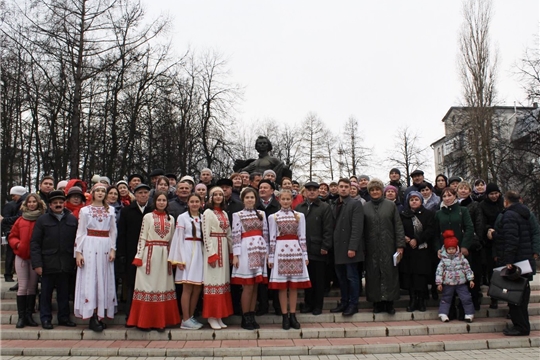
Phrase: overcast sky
pixel 389 63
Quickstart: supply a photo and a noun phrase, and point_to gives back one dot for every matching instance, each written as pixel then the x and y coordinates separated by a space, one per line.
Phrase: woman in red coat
pixel 19 240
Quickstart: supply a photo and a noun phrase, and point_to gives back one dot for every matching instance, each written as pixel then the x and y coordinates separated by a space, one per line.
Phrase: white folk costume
pixel 288 251
pixel 154 299
pixel 187 249
pixel 250 244
pixel 95 286
pixel 217 302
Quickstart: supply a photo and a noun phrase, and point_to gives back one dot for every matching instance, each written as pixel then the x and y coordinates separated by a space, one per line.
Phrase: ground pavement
pixel 327 336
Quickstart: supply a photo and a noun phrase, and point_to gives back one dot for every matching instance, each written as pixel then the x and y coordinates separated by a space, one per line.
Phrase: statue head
pixel 263 144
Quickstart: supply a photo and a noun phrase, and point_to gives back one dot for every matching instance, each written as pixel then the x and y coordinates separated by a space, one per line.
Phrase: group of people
pixel 246 241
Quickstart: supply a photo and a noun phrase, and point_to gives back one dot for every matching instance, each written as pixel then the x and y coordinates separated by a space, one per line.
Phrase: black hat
pixel 75 190
pixel 130 177
pixel 417 172
pixel 511 274
pixel 491 187
pixel 226 182
pixel 141 186
pixel 157 172
pixel 171 175
pixel 266 181
pixel 454 179
pixel 56 194
pixel 396 170
pixel 311 184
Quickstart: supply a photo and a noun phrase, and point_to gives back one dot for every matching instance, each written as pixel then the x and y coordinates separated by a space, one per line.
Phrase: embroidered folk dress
pixel 188 250
pixel 217 302
pixel 288 250
pixel 95 286
pixel 154 299
pixel 250 244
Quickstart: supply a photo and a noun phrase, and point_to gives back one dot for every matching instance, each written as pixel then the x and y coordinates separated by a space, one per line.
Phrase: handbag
pixel 501 288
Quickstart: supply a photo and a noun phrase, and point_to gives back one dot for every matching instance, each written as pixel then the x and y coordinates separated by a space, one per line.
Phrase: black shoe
pixel 339 308
pixel 20 323
pixel 246 322
pixel 412 301
pixel 67 323
pixel 494 304
pixel 160 330
pixel 390 308
pixel 262 312
pixel 285 324
pixel 293 322
pixel 103 325
pixel 29 320
pixel 421 304
pixel 8 278
pixel 317 312
pixel 21 310
pixel 14 287
pixel 253 321
pixel 305 309
pixel 94 324
pixel 514 332
pixel 144 329
pixel 377 307
pixel 47 325
pixel 351 310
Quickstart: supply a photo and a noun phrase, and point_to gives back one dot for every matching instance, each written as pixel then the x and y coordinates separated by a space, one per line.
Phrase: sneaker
pixel 444 318
pixel 196 322
pixel 189 325
pixel 469 318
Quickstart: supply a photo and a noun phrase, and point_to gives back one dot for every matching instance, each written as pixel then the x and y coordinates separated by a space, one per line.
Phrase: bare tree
pixel 408 154
pixel 313 134
pixel 351 154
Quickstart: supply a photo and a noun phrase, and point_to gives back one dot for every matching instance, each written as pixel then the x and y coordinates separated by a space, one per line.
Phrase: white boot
pixel 469 318
pixel 444 317
pixel 214 323
pixel 221 323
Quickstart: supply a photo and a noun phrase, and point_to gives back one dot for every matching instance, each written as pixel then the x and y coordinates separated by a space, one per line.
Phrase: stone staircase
pixel 326 334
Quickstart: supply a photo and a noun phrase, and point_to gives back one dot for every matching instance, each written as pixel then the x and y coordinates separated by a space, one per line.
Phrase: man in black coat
pixel 10 214
pixel 129 229
pixel 178 205
pixel 319 229
pixel 51 251
pixel 269 205
pixel 513 242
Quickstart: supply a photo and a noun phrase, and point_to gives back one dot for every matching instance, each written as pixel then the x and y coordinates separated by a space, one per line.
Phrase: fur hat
pixel 375 183
pixel 450 239
pixel 17 190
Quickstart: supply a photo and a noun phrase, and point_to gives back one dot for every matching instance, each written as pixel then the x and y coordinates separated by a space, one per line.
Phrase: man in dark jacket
pixel 395 181
pixel 513 242
pixel 269 205
pixel 46 186
pixel 10 214
pixel 51 251
pixel 178 205
pixel 348 247
pixel 129 229
pixel 319 231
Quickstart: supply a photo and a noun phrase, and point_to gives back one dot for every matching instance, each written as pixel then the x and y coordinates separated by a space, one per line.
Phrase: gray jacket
pixel 348 230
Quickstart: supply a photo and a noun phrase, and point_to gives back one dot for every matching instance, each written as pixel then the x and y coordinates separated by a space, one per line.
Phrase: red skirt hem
pixel 289 285
pixel 157 315
pixel 259 279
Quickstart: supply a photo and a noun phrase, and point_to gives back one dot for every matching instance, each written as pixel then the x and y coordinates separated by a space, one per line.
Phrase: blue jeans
pixel 349 283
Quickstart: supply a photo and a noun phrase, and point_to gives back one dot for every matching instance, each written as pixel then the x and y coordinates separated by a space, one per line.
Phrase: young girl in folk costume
pixel 187 254
pixel 250 248
pixel 288 257
pixel 95 250
pixel 19 240
pixel 154 299
pixel 217 302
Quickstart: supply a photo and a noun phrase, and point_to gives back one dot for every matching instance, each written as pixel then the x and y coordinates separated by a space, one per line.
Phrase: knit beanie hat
pixel 491 187
pixel 450 239
pixel 390 187
pixel 375 183
pixel 395 170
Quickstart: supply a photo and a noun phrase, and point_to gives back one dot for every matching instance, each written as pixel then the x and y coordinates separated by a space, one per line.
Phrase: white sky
pixel 389 63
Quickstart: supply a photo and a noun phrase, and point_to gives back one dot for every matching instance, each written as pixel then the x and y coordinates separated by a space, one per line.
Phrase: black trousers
pixel 48 283
pixel 314 296
pixel 520 314
pixel 9 265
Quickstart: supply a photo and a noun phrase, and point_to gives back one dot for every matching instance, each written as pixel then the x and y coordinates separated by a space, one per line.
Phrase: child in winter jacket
pixel 452 275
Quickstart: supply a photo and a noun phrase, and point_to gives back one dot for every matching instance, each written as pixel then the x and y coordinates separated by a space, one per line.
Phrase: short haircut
pixel 344 180
pixel 512 196
pixel 46 177
pixel 207 170
pixel 448 190
pixel 464 184
pixel 252 176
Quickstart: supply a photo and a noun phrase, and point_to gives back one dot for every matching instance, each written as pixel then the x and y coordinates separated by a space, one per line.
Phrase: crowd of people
pixel 173 249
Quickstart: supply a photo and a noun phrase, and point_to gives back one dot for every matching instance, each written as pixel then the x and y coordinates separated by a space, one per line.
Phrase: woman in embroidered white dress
pixel 154 303
pixel 217 302
pixel 187 255
pixel 95 250
pixel 288 257
pixel 250 249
